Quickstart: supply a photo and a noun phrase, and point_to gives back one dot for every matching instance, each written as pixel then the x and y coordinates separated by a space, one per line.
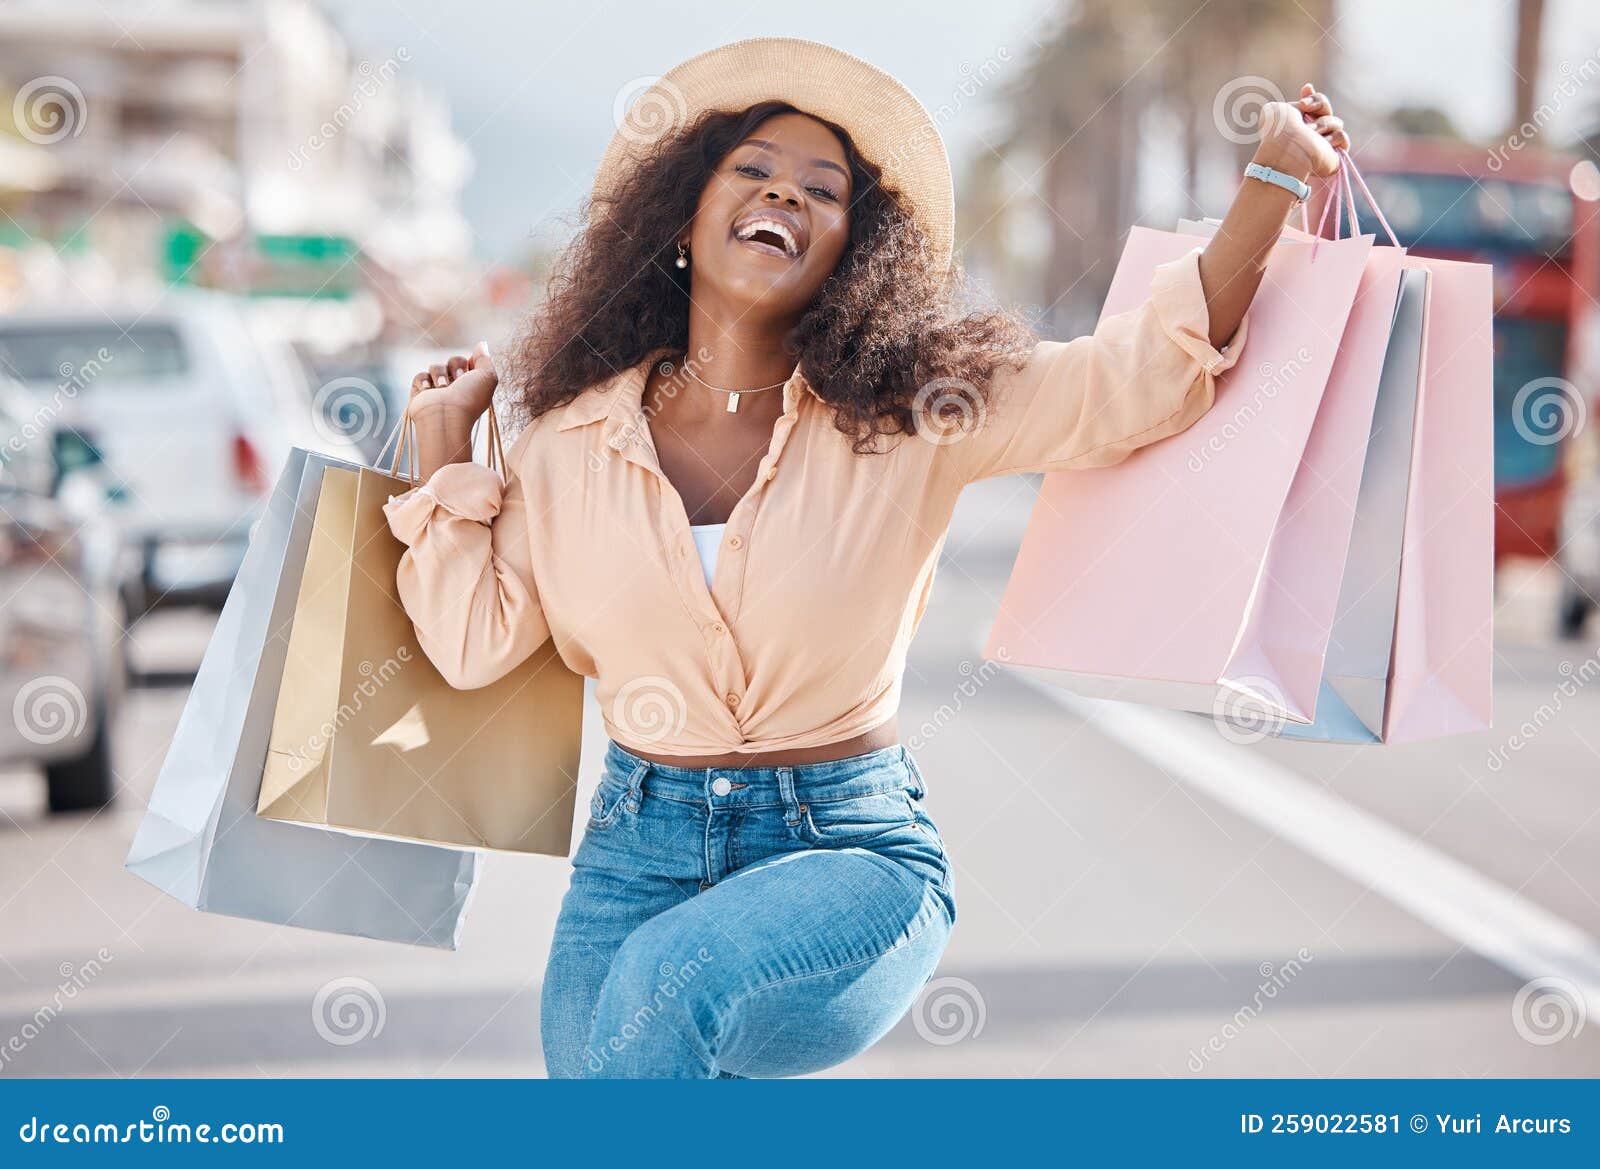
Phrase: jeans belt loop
pixel 919 786
pixel 791 805
pixel 635 795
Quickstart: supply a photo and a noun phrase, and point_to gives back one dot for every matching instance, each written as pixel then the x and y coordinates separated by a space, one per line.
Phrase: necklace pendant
pixel 733 403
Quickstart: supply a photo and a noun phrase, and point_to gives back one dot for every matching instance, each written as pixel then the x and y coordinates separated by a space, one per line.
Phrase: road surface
pixel 1137 895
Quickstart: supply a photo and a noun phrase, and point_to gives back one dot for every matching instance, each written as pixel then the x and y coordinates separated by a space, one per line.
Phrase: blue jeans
pixel 763 921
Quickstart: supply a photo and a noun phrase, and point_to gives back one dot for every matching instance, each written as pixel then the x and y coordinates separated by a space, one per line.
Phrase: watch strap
pixel 1300 190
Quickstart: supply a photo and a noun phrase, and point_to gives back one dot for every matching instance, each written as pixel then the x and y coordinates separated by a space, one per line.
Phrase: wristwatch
pixel 1300 190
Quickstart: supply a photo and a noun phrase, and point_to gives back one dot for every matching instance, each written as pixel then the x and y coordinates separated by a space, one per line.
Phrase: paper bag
pixel 370 739
pixel 200 840
pixel 1141 581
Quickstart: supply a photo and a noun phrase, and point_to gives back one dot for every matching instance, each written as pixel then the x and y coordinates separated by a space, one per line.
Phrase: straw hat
pixel 888 125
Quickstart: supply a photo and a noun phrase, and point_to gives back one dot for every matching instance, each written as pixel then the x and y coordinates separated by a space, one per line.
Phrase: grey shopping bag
pixel 1355 675
pixel 201 840
pixel 1356 670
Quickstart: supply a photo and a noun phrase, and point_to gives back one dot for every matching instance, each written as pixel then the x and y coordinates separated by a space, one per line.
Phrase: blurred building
pixel 236 144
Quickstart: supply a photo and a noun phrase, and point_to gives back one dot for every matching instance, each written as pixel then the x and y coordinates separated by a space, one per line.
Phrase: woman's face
pixel 773 220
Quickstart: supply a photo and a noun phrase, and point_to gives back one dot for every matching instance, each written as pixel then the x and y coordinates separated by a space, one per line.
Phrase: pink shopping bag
pixel 1441 679
pixel 1144 580
pixel 1350 492
pixel 1411 652
pixel 1281 666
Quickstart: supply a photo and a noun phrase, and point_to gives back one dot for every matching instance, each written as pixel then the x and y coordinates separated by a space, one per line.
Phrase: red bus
pixel 1533 215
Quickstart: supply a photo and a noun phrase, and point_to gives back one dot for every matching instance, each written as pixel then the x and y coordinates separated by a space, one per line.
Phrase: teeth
pixel 776 228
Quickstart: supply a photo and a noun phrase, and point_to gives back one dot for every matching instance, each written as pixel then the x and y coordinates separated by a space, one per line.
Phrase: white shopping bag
pixel 201 840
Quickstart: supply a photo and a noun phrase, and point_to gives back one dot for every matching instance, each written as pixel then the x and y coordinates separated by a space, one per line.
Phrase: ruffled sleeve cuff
pixel 1180 306
pixel 468 490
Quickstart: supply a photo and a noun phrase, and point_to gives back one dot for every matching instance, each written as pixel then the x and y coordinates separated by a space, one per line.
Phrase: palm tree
pixel 1525 71
pixel 1101 80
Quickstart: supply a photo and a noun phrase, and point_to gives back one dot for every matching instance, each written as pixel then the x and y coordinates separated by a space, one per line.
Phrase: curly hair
pixel 886 324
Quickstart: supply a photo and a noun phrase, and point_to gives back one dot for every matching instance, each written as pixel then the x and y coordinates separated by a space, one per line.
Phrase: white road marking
pixel 1453 898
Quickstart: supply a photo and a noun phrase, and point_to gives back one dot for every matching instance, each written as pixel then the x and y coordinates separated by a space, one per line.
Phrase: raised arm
pixel 1151 372
pixel 466 578
pixel 1233 262
pixel 1140 376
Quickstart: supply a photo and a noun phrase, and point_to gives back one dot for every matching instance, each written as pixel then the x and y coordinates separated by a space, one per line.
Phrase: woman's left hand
pixel 1300 137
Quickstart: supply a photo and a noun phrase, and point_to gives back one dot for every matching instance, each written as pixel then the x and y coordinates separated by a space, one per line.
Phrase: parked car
pixel 191 411
pixel 63 566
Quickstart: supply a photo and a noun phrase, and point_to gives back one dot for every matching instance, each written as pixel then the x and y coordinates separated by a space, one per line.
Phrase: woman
pixel 756 349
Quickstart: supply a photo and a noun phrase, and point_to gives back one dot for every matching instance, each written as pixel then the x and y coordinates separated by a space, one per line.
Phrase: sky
pixel 532 86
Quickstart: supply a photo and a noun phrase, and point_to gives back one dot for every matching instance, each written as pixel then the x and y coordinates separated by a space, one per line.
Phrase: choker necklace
pixel 733 395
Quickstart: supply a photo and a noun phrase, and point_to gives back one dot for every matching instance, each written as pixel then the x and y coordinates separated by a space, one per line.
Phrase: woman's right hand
pixel 446 400
pixel 455 391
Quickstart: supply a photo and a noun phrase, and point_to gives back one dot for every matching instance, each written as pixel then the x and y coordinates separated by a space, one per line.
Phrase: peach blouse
pixel 826 562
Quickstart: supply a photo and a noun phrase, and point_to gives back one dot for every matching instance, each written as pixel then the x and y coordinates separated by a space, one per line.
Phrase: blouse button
pixel 718 628
pixel 736 542
pixel 733 702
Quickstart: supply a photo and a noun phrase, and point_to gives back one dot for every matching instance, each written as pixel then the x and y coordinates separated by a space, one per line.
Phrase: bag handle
pixel 1349 195
pixel 1344 191
pixel 406 447
pixel 1333 204
pixel 1355 171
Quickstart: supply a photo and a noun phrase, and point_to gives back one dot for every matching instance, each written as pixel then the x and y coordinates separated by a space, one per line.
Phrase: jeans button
pixel 721 786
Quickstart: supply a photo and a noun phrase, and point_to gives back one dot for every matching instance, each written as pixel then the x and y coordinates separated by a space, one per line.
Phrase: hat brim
pixel 888 125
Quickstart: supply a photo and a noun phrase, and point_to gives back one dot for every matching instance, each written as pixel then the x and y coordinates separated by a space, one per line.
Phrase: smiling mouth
pixel 769 235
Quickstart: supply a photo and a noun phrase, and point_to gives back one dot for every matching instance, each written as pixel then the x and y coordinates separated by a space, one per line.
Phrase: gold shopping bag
pixel 368 738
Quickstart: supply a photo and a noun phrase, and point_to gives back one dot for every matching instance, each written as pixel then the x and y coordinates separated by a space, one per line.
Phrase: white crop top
pixel 707 539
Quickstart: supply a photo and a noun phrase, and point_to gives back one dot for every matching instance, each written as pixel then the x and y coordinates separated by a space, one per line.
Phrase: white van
pixel 191 411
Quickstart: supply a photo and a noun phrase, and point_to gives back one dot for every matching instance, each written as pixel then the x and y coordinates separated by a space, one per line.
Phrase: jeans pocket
pixel 616 792
pixel 855 819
